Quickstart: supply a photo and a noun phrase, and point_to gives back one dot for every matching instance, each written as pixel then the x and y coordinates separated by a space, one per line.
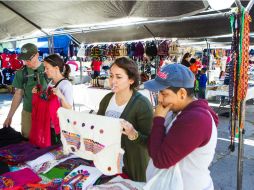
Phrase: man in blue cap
pixel 189 139
pixel 24 81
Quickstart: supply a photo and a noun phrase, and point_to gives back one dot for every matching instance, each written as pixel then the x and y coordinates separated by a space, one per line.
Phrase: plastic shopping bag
pixel 161 179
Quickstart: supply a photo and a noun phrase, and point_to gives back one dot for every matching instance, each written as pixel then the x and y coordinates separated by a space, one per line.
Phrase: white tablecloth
pixel 89 98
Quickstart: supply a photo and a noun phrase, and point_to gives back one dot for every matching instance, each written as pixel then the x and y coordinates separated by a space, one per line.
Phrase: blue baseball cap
pixel 173 75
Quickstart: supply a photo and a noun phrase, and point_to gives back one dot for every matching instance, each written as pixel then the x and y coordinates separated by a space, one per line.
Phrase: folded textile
pixel 8 136
pixel 64 167
pixel 105 178
pixel 55 154
pixel 22 152
pixel 52 185
pixel 48 165
pixel 119 183
pixel 4 168
pixel 56 173
pixel 81 178
pixel 73 163
pixel 18 178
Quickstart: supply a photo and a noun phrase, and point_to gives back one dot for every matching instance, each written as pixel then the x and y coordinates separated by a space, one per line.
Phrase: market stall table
pixel 224 92
pixel 88 98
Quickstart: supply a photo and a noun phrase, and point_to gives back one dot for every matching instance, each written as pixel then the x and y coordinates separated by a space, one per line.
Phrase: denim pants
pixel 201 93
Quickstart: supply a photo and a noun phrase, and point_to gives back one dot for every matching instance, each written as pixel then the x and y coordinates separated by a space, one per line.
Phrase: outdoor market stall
pixel 88 98
pixel 79 172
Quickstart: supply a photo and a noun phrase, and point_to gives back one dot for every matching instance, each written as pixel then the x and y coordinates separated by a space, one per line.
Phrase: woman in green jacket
pixel 136 110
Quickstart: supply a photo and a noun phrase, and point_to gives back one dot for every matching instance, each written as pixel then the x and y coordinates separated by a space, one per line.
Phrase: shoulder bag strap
pixel 59 82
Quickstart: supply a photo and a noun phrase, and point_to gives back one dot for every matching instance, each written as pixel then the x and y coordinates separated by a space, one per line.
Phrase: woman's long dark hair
pixel 56 60
pixel 186 55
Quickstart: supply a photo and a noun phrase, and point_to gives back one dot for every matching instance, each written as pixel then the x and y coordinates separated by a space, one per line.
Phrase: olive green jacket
pixel 139 113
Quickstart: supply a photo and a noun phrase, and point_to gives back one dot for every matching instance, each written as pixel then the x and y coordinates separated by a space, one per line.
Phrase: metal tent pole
pixel 51 44
pixel 238 3
pixel 165 20
pixel 26 19
pixel 249 6
pixel 81 69
pixel 240 147
pixel 208 59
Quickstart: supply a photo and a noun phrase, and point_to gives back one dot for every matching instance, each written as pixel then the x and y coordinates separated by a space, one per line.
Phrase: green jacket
pixel 139 113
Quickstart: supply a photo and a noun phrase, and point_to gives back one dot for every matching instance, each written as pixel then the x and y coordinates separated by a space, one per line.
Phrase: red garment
pixel 15 63
pixel 44 112
pixel 11 61
pixel 194 68
pixel 199 64
pixel 96 65
pixel 15 188
pixel 5 60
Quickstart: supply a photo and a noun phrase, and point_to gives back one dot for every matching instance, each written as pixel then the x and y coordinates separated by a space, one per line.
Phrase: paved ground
pixel 224 166
pixel 5 103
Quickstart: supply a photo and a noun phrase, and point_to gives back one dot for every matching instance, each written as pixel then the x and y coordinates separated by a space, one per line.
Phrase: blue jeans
pixel 201 93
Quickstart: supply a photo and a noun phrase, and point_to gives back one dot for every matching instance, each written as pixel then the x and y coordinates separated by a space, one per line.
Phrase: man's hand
pixel 7 122
pixel 162 111
pixel 17 98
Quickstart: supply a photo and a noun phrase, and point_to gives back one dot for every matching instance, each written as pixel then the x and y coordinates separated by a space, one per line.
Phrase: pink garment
pixel 22 177
pixel 228 59
pixel 72 62
pixel 45 106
